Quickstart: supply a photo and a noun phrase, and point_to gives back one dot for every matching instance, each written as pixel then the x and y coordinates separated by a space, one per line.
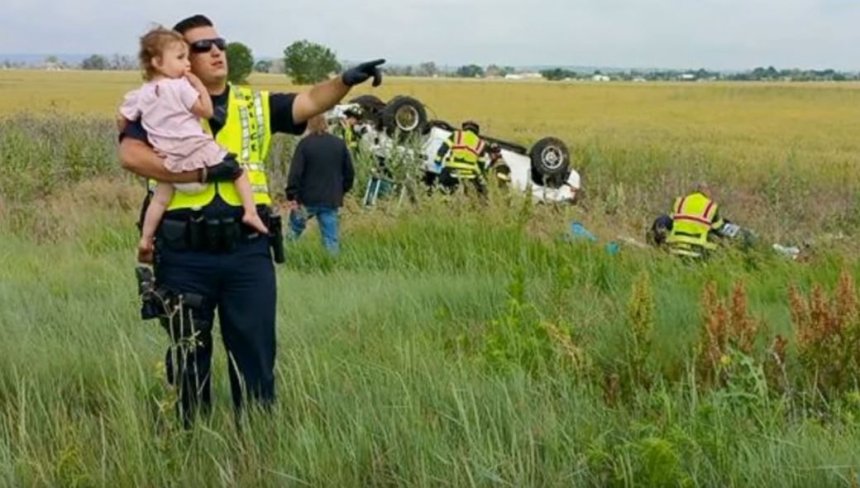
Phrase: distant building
pixel 600 78
pixel 523 76
pixel 687 77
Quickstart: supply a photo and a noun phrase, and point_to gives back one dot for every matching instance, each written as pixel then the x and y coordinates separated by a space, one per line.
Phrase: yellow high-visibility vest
pixel 692 220
pixel 350 137
pixel 464 155
pixel 246 133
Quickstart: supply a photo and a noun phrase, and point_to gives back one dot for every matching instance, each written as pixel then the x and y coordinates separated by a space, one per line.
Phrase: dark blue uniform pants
pixel 241 285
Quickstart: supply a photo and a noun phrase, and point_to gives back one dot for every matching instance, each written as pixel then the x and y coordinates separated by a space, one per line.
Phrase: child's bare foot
pixel 253 220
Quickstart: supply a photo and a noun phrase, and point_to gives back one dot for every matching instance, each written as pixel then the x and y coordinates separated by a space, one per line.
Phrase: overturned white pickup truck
pixel 543 171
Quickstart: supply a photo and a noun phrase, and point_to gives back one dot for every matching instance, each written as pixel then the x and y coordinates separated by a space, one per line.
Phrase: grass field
pixel 455 344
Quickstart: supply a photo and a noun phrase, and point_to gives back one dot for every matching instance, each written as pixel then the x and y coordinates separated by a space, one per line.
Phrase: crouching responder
pixel 689 229
pixel 460 158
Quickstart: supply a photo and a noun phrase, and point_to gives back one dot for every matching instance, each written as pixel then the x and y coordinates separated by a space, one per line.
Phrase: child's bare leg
pixel 157 206
pixel 250 217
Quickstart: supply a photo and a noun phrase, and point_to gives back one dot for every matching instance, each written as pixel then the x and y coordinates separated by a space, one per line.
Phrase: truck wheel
pixel 550 160
pixel 371 107
pixel 404 116
pixel 371 102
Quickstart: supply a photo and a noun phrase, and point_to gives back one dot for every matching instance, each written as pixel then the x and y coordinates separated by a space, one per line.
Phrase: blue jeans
pixel 327 219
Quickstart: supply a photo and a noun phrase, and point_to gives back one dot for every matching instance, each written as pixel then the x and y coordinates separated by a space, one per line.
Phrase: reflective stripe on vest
pixel 691 222
pixel 465 152
pixel 247 134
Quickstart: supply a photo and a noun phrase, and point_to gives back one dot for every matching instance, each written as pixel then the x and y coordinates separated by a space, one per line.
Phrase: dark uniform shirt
pixel 321 171
pixel 280 120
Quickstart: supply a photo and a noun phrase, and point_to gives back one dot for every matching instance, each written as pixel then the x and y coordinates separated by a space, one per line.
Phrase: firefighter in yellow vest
pixel 351 135
pixel 460 158
pixel 695 219
pixel 204 258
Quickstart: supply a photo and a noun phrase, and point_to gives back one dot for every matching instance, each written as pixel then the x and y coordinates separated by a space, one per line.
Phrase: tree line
pixel 307 62
pixel 757 74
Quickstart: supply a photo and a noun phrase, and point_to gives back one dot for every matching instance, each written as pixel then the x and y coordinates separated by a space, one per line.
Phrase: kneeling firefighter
pixel 689 230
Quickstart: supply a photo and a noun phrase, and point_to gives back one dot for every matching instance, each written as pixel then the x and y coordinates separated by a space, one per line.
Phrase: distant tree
pixel 398 70
pixel 95 62
pixel 498 71
pixel 263 66
pixel 307 62
pixel 470 71
pixel 557 74
pixel 123 63
pixel 493 71
pixel 554 74
pixel 52 59
pixel 427 68
pixel 240 62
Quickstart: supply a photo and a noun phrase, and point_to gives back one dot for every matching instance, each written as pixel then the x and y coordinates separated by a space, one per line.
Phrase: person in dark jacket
pixel 320 174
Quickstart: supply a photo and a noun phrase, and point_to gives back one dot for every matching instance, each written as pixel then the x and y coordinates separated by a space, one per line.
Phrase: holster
pixel 276 238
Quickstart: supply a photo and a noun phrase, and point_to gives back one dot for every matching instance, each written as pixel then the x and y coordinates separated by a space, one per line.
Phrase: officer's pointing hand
pixel 361 73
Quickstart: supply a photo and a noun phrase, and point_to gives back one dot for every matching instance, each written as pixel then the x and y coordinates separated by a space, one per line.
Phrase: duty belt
pixel 197 233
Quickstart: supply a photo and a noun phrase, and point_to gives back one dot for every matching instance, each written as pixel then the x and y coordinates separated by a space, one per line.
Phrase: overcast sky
pixel 721 34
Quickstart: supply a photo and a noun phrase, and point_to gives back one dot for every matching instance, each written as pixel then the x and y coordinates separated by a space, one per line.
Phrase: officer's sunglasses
pixel 205 45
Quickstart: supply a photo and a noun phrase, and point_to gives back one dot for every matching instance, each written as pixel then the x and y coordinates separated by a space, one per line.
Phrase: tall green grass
pixel 451 343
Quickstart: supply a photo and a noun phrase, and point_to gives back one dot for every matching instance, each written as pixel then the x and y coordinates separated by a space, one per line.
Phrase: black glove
pixel 360 74
pixel 228 170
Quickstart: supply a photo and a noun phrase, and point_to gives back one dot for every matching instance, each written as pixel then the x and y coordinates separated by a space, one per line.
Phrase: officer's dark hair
pixel 192 22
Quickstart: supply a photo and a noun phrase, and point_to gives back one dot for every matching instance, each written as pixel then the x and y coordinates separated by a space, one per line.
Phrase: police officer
pixel 203 257
pixel 460 158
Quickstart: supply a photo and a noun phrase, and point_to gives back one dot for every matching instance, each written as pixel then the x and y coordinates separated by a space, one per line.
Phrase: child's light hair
pixel 153 45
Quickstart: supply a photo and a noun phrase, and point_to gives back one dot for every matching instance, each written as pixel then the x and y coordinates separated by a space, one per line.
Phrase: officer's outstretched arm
pixel 136 156
pixel 325 95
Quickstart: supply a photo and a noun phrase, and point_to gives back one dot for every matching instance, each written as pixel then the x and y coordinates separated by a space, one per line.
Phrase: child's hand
pixel 193 79
pixel 145 250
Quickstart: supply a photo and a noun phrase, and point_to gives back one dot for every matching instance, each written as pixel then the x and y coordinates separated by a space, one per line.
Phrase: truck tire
pixel 369 102
pixel 550 160
pixel 371 107
pixel 404 116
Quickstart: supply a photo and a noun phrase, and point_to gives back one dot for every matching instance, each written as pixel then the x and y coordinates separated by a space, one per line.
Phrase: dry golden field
pixel 789 149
